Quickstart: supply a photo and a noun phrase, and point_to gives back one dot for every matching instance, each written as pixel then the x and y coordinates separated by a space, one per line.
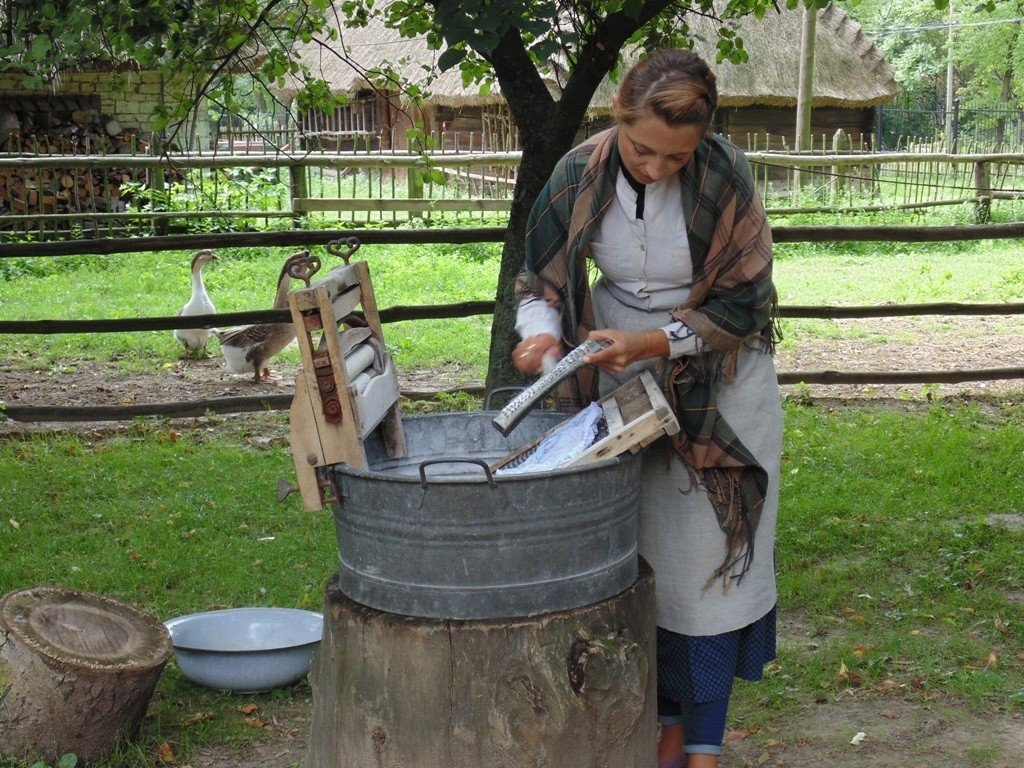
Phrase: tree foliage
pixel 197 44
pixel 987 53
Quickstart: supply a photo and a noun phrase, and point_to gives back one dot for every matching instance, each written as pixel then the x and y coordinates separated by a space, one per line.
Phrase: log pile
pixel 61 126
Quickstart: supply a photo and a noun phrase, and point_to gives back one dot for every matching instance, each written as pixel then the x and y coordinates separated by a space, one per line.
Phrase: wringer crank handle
pixel 527 400
pixel 351 245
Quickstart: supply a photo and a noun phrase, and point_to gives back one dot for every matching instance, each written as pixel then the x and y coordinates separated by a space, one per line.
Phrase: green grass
pixel 142 285
pixel 890 563
pixel 145 285
pixel 891 568
pixel 174 522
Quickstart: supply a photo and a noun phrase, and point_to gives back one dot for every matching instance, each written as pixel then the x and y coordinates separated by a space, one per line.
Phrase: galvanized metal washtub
pixel 437 534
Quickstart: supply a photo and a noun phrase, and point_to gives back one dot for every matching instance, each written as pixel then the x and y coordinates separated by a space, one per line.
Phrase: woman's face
pixel 652 149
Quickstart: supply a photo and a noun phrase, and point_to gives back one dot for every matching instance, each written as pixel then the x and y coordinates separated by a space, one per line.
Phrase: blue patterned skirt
pixel 697 669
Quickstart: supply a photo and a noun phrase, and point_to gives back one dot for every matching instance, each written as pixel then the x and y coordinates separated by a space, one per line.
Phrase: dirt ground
pixel 900 344
pixel 869 729
pixel 876 731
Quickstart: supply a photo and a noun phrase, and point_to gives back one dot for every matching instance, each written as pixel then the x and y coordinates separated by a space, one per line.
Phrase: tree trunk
pixel 572 689
pixel 76 671
pixel 534 169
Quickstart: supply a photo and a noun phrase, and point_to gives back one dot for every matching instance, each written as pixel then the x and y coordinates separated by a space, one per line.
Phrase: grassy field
pixel 899 539
pixel 899 570
pixel 141 285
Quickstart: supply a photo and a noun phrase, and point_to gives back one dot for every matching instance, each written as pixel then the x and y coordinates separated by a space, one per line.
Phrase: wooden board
pixel 636 413
pixel 329 417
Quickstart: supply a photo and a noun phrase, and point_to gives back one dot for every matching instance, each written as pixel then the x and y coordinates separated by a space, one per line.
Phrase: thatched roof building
pixel 849 69
pixel 851 77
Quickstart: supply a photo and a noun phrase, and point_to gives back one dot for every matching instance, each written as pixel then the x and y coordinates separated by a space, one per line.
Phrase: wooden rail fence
pixel 465 309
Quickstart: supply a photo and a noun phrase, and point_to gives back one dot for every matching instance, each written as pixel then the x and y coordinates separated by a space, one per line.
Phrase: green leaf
pixel 69 760
pixel 41 46
pixel 450 58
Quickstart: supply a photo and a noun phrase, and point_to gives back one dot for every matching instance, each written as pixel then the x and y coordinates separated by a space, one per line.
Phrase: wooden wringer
pixel 347 388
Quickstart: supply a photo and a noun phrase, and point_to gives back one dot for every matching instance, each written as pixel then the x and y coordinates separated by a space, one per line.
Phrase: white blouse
pixel 644 260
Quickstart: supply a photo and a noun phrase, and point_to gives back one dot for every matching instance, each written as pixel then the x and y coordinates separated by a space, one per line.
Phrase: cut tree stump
pixel 572 689
pixel 76 671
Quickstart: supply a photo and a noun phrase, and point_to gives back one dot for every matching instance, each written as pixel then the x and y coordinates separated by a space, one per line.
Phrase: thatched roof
pixel 849 69
pixel 373 44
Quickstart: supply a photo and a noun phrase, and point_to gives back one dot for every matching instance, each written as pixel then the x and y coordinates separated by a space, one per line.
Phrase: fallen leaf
pixel 736 735
pixel 763 758
pixel 860 651
pixel 196 718
pixel 248 709
pixel 858 738
pixel 992 660
pixel 892 714
pixel 165 754
pixel 14 523
pixel 844 675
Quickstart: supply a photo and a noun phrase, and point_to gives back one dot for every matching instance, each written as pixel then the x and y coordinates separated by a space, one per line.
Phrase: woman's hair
pixel 674 85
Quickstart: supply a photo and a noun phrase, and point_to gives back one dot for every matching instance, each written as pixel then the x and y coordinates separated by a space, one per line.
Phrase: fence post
pixel 956 124
pixel 841 142
pixel 983 191
pixel 299 186
pixel 414 174
pixel 158 188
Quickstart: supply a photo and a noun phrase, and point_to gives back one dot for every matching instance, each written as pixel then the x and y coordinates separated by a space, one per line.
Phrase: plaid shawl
pixel 731 304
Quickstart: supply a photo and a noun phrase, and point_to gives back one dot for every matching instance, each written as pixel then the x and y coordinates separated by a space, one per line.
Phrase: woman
pixel 669 214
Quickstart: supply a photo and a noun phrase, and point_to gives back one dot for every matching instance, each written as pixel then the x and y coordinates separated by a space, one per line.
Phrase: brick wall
pixel 128 97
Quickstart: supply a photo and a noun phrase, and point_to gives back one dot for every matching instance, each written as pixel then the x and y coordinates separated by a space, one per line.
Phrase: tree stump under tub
pixel 571 689
pixel 77 670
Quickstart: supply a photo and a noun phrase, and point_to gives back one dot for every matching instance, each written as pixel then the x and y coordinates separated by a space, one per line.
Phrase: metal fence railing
pixel 975 127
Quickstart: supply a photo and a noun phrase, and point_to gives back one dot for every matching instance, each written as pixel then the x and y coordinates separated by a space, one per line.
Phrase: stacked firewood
pixel 41 132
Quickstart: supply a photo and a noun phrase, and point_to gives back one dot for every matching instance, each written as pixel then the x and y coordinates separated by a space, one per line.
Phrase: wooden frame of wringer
pixel 347 388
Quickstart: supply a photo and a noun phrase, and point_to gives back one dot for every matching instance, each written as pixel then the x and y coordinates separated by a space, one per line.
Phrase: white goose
pixel 249 348
pixel 194 339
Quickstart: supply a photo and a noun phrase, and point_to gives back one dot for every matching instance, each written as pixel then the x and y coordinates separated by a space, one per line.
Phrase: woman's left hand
pixel 627 347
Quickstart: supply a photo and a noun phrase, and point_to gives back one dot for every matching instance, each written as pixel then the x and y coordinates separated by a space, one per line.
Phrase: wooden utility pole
pixel 805 84
pixel 950 139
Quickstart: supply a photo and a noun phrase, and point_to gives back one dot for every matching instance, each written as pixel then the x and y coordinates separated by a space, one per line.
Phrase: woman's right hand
pixel 528 356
